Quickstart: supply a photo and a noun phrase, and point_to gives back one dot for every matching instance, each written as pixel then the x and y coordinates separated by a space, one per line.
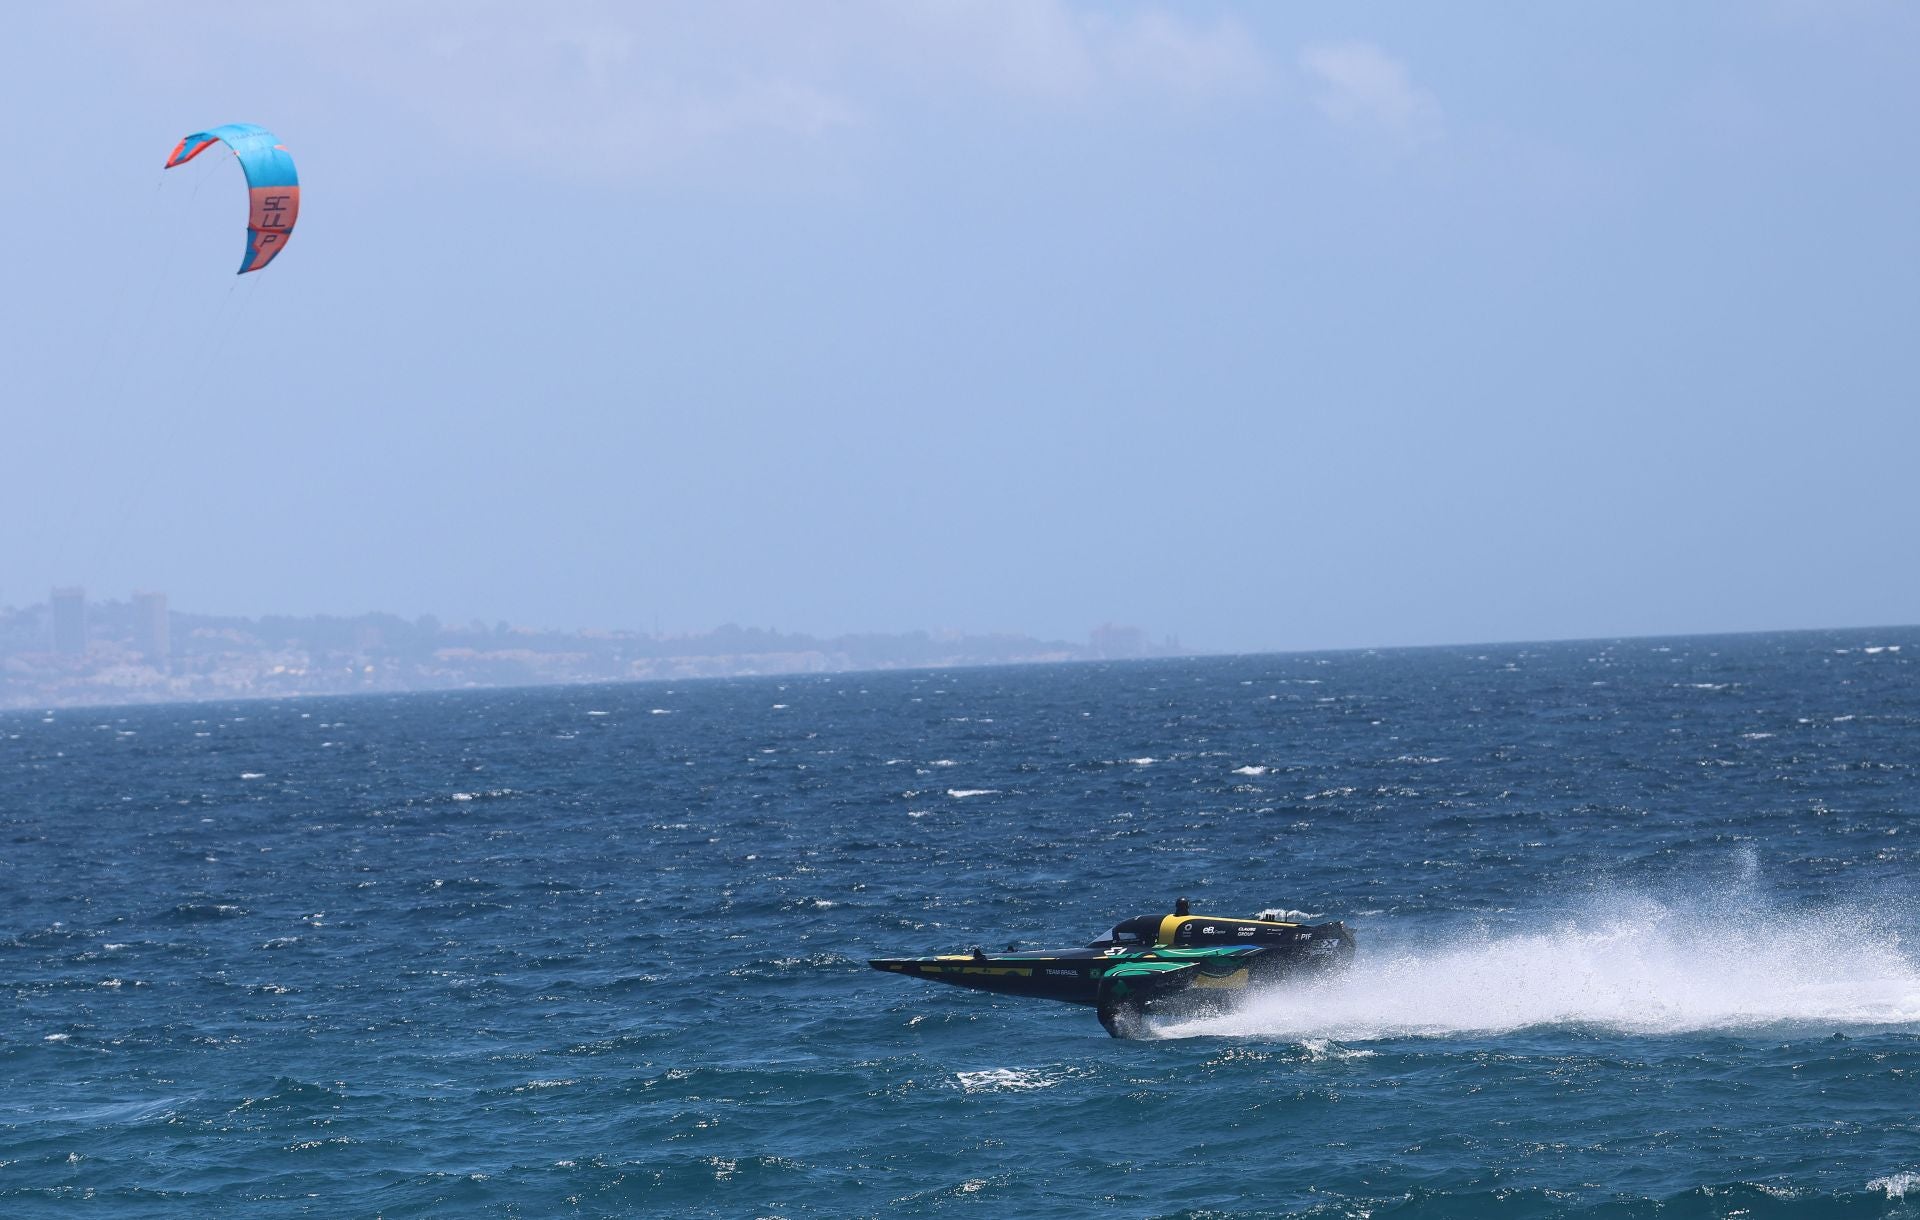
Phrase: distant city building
pixel 1116 642
pixel 128 652
pixel 150 634
pixel 70 621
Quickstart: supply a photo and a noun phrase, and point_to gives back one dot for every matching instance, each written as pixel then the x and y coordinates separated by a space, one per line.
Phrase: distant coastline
pixel 71 652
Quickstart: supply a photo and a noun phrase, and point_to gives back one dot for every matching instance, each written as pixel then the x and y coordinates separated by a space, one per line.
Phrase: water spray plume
pixel 1640 967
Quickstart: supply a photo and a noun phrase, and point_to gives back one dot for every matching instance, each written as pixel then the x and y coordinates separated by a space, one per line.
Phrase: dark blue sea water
pixel 1637 923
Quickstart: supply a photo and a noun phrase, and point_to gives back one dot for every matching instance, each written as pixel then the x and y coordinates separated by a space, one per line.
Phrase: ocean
pixel 1637 926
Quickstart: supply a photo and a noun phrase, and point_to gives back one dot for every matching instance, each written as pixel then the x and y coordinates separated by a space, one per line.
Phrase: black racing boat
pixel 1165 965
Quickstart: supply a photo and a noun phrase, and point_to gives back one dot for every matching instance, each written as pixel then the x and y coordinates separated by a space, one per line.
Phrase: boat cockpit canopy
pixel 1137 931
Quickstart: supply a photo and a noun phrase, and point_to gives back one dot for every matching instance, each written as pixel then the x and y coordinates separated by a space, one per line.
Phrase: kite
pixel 272 185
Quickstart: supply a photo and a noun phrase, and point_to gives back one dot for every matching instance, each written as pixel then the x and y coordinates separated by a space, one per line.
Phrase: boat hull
pixel 1071 976
pixel 1128 982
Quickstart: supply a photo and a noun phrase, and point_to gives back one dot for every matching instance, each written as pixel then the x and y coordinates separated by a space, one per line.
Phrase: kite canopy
pixel 271 183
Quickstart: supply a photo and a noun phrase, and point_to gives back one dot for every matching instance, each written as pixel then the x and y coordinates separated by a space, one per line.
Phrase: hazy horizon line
pixel 1174 638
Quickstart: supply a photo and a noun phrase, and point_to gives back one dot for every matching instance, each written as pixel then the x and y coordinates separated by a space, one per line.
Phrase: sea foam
pixel 1896 1185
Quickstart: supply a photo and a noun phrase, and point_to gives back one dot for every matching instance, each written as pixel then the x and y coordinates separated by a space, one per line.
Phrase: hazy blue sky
pixel 1272 327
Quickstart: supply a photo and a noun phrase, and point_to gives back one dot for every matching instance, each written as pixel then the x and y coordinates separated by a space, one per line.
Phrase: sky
pixel 1267 327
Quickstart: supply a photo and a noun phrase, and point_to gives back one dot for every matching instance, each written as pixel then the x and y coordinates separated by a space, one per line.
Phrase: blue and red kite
pixel 272 184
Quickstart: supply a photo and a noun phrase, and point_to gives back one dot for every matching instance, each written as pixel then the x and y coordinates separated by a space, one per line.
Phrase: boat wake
pixel 1653 968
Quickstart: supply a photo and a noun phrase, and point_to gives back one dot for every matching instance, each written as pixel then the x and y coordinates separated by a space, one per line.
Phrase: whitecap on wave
pixel 1325 1050
pixel 1896 1185
pixel 1010 1080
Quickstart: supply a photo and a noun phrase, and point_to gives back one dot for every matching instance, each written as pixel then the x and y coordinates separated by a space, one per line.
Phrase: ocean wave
pixel 1011 1080
pixel 1896 1185
pixel 1325 1050
pixel 203 912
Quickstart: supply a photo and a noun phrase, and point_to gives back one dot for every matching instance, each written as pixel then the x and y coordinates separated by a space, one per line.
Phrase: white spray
pixel 1636 966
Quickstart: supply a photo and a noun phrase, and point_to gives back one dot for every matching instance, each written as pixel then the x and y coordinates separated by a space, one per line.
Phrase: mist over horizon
pixel 1172 640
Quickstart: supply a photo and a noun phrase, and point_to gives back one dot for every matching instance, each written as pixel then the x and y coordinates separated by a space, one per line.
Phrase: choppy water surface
pixel 1637 922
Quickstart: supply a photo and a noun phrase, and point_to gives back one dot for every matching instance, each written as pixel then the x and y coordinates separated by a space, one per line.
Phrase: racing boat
pixel 1154 965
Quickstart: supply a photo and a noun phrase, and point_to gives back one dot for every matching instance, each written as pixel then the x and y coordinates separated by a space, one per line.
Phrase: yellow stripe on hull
pixel 1237 981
